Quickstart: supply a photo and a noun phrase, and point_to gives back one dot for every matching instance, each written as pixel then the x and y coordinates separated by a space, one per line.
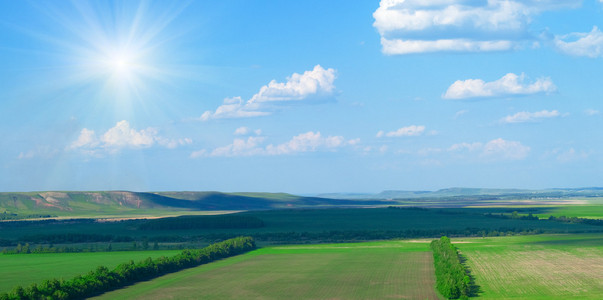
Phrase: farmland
pixel 24 269
pixel 536 267
pixel 307 251
pixel 375 270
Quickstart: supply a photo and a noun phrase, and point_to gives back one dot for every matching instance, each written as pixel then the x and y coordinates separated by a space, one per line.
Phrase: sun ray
pixel 118 49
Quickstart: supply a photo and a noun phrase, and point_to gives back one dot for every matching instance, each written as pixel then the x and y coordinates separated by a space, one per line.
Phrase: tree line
pixel 452 279
pixel 202 222
pixel 576 220
pixel 103 280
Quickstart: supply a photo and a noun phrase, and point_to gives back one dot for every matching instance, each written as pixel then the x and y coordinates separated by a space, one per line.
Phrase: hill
pixel 66 203
pixel 471 192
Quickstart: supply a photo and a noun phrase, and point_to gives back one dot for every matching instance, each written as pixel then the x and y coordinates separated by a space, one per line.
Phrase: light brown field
pixel 536 270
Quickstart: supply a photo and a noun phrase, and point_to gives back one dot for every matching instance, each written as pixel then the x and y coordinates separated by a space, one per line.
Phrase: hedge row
pixel 452 280
pixel 103 280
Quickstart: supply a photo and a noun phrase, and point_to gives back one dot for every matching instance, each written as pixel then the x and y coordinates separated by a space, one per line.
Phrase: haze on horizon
pixel 300 97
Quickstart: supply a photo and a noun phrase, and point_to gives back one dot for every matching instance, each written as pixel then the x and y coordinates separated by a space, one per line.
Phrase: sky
pixel 300 96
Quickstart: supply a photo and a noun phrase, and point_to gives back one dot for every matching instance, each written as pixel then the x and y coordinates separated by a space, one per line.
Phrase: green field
pixel 376 270
pixel 25 269
pixel 536 267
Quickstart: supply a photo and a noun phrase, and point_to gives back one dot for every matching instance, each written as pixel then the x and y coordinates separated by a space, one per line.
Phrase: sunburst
pixel 119 48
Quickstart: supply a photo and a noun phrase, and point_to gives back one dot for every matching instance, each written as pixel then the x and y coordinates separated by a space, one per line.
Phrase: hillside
pixel 65 203
pixel 471 192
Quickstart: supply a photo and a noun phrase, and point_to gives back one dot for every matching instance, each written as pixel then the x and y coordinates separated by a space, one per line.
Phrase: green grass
pixel 536 267
pixel 377 270
pixel 580 211
pixel 25 269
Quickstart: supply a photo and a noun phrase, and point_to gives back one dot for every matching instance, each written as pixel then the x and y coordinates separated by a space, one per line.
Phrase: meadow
pixel 372 270
pixel 25 269
pixel 536 267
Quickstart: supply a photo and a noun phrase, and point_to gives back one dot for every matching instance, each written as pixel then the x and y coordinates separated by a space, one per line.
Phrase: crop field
pixel 536 267
pixel 376 270
pixel 25 269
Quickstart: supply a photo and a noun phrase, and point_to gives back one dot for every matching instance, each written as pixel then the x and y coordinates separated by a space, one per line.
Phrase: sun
pixel 122 63
pixel 123 53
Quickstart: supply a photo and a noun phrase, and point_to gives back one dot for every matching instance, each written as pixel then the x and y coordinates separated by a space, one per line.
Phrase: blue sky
pixel 300 96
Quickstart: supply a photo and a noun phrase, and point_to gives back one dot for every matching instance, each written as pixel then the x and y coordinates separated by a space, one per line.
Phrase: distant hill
pixel 461 192
pixel 132 204
pixel 67 203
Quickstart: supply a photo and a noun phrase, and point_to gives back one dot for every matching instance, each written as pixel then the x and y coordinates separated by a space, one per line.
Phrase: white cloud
pixel 26 155
pixel 509 85
pixel 240 147
pixel 45 152
pixel 590 111
pixel 87 138
pixel 398 47
pixel 412 130
pixel 305 142
pixel 241 131
pixel 565 156
pixel 494 149
pixel 417 26
pixel 505 149
pixel 315 84
pixel 354 142
pixel 123 136
pixel 581 44
pixel 246 131
pixel 571 155
pixel 460 113
pixel 525 116
pixel 466 146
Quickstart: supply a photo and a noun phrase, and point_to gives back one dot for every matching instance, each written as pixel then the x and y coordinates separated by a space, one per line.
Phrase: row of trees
pixel 563 219
pixel 577 220
pixel 11 216
pixel 71 238
pixel 513 215
pixel 103 280
pixel 202 222
pixel 27 249
pixel 452 279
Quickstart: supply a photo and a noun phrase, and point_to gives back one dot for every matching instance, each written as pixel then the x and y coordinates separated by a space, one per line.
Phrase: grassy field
pixel 536 267
pixel 25 269
pixel 376 270
pixel 591 208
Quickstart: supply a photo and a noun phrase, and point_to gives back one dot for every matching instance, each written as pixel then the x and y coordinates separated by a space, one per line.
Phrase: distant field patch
pixel 539 267
pixel 25 269
pixel 382 270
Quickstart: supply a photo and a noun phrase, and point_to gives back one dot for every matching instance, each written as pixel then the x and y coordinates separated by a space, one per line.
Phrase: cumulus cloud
pixel 123 136
pixel 524 116
pixel 415 26
pixel 246 131
pixel 581 44
pixel 494 149
pixel 412 130
pixel 241 131
pixel 509 85
pixel 254 145
pixel 315 84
